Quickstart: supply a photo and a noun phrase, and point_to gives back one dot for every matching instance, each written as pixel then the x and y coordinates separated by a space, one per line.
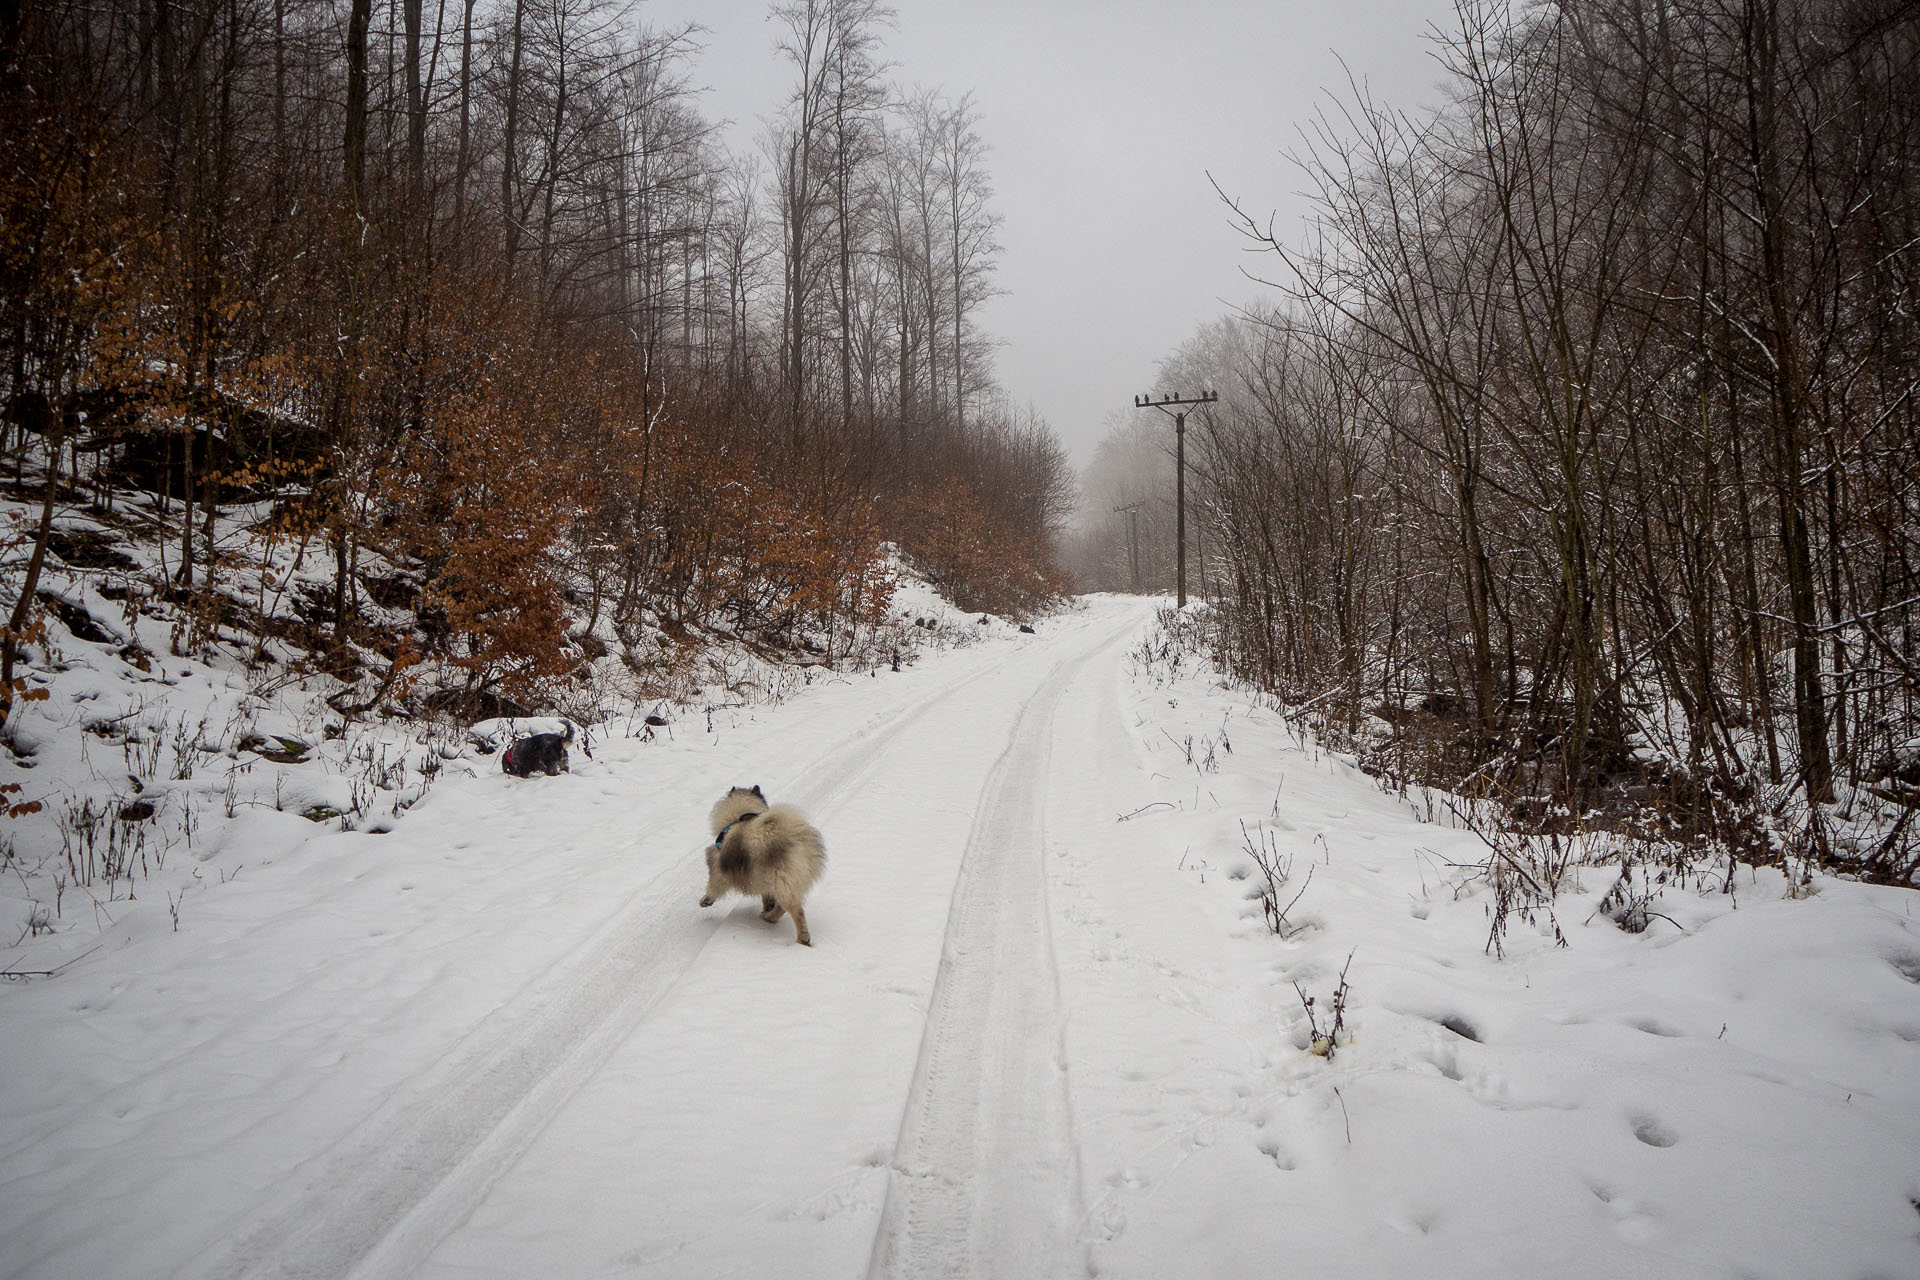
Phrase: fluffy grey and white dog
pixel 767 850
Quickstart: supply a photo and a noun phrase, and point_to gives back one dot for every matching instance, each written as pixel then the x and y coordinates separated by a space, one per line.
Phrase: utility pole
pixel 1175 407
pixel 1132 511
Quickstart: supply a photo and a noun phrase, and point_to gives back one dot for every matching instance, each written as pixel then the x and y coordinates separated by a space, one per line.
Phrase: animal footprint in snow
pixel 1105 1223
pixel 1412 1224
pixel 826 1205
pixel 1631 1221
pixel 1653 1133
pixel 1281 1157
pixel 1655 1027
pixel 1493 1091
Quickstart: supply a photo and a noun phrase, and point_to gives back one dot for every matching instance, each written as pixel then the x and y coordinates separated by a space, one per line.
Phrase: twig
pixel 1187 749
pixel 1347 1119
pixel 1157 804
pixel 12 975
pixel 1301 894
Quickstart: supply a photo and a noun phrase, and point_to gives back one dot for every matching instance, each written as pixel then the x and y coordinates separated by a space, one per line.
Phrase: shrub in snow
pixel 1275 871
pixel 1324 1042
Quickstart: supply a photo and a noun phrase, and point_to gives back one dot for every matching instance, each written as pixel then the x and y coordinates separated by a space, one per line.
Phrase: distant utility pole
pixel 1176 406
pixel 1132 511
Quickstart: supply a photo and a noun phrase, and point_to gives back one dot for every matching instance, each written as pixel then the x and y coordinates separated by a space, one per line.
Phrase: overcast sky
pixel 1104 118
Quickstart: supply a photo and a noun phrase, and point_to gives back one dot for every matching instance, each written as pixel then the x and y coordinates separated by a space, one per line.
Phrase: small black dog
pixel 538 753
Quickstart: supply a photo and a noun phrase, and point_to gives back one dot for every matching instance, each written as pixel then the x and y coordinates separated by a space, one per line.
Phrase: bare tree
pixel 1638 304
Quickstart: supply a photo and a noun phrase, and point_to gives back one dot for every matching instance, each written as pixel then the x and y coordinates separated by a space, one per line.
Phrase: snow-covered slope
pixel 1044 1028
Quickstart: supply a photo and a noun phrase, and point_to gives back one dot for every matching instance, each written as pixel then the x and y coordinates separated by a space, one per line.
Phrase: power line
pixel 1132 510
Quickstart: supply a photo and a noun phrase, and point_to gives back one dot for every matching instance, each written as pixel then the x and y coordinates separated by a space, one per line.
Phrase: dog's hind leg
pixel 770 910
pixel 800 934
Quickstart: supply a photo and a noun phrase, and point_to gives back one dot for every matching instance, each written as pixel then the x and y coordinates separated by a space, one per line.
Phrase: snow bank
pixel 1733 1092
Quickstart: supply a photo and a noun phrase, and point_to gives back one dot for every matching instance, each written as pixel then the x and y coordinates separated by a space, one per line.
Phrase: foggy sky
pixel 1105 118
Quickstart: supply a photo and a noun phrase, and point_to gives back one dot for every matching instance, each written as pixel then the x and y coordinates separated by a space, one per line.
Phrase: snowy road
pixel 678 1069
pixel 984 1176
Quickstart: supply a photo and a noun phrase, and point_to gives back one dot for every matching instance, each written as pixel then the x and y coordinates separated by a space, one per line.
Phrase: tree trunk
pixel 462 157
pixel 359 17
pixel 416 104
pixel 510 220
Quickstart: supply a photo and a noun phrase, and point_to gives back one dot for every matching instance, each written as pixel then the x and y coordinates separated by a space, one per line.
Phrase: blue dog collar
pixel 721 838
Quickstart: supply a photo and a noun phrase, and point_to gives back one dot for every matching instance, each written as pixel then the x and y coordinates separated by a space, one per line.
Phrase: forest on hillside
pixel 1573 456
pixel 475 296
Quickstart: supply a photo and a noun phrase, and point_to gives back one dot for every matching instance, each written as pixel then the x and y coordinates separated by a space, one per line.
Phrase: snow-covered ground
pixel 1044 1028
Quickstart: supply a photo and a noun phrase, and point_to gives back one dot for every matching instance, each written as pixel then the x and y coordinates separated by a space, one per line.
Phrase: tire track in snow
pixel 984 1180
pixel 378 1201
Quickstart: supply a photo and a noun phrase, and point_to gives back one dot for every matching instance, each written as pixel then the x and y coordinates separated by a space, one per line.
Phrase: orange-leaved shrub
pixel 739 549
pixel 485 528
pixel 958 542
